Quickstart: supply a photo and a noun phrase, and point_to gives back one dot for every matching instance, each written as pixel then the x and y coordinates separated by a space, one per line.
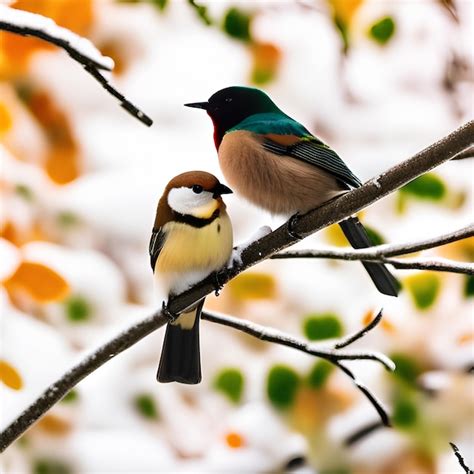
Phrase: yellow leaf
pixel 62 165
pixel 6 121
pixel 334 235
pixel 345 9
pixel 253 286
pixel 10 376
pixel 40 282
pixel 54 425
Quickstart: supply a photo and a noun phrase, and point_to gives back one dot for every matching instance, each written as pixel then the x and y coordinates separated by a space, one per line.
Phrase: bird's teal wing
pixel 313 151
pixel 156 244
pixel 284 136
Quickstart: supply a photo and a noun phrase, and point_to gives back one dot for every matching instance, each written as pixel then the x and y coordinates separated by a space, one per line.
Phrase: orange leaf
pixel 6 121
pixel 234 440
pixel 62 165
pixel 43 284
pixel 10 376
pixel 54 425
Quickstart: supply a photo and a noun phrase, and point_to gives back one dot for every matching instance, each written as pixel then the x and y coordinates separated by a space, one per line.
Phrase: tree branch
pixel 335 211
pixel 80 49
pixel 325 215
pixel 381 251
pixel 461 459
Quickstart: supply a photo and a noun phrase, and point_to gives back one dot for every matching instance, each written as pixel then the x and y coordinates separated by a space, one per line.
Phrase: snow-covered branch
pixel 332 354
pixel 80 49
pixel 382 253
pixel 262 249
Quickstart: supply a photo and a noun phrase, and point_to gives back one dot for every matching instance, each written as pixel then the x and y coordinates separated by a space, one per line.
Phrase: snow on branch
pixel 382 253
pixel 256 252
pixel 80 49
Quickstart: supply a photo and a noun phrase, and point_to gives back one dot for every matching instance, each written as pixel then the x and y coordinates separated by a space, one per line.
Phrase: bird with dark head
pixel 277 164
pixel 191 238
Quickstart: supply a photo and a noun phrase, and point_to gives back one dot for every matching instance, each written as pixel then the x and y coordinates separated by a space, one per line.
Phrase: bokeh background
pixel 80 179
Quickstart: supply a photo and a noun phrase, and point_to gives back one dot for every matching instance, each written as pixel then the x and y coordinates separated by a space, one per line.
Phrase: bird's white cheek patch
pixel 186 201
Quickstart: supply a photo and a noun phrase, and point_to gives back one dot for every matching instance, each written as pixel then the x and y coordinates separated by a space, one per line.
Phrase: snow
pixel 236 257
pixel 24 19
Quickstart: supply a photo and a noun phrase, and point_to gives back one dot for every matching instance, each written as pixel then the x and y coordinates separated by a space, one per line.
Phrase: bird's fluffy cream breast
pixel 280 184
pixel 190 253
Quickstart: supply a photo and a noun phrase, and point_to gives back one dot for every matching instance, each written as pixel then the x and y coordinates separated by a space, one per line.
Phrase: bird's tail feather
pixel 357 236
pixel 180 356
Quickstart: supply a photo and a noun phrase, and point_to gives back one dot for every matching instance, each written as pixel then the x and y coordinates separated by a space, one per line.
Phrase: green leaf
pixel 230 382
pixel 50 466
pixel 67 219
pixel 428 186
pixel 405 413
pixel 77 309
pixel 282 385
pixel 160 4
pixel 25 192
pixel 322 326
pixel 71 397
pixel 145 405
pixel 406 368
pixel 237 24
pixel 319 373
pixel 469 286
pixel 374 236
pixel 262 76
pixel 423 289
pixel 343 31
pixel 382 30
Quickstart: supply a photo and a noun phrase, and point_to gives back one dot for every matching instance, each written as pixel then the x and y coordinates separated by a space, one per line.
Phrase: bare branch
pixel 268 245
pixel 380 251
pixel 336 210
pixel 460 459
pixel 467 153
pixel 57 390
pixel 30 24
pixel 363 432
pixel 359 334
pixel 433 264
pixel 331 355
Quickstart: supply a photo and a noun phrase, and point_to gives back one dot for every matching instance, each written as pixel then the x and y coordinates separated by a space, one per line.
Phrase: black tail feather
pixel 180 356
pixel 357 236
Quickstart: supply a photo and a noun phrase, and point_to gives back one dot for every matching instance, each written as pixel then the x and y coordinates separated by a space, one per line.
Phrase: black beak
pixel 221 189
pixel 198 105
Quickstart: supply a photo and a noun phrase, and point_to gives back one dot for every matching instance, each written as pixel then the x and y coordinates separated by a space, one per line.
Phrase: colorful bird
pixel 191 238
pixel 277 164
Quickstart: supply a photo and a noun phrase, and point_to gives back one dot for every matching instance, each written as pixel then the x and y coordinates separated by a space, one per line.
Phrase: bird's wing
pixel 315 152
pixel 156 244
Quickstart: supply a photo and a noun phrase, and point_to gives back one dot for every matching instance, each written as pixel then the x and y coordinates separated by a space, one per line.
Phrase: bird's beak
pixel 221 189
pixel 198 105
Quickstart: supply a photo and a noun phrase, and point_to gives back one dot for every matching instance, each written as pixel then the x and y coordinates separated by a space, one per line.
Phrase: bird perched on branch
pixel 276 163
pixel 191 238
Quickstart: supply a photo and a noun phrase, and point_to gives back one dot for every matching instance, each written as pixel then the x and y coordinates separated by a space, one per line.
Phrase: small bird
pixel 191 238
pixel 276 163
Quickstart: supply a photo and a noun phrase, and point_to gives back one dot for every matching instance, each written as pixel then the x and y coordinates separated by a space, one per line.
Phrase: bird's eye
pixel 197 189
pixel 228 99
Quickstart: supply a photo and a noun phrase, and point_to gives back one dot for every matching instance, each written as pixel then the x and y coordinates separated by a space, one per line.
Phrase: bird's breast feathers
pixel 280 184
pixel 189 253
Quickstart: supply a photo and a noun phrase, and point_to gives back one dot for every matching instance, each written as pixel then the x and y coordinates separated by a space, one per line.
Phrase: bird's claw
pixel 167 313
pixel 217 284
pixel 291 226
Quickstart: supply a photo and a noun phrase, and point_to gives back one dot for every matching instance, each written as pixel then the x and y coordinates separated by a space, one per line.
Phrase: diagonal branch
pixel 268 245
pixel 335 210
pixel 80 49
pixel 461 461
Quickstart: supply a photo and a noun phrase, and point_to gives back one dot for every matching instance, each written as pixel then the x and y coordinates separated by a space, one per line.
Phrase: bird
pixel 277 164
pixel 191 238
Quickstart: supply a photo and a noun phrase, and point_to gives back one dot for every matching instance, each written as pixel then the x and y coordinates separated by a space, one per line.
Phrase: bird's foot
pixel 217 284
pixel 171 317
pixel 291 226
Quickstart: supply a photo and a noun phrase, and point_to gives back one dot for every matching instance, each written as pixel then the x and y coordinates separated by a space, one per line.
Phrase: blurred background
pixel 80 179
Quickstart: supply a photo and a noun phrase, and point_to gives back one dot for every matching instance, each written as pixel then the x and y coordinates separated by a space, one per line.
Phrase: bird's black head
pixel 228 107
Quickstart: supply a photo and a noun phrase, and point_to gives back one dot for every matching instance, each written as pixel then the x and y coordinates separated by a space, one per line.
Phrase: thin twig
pixel 327 214
pixel 359 334
pixel 380 251
pixel 432 264
pixel 90 65
pixel 467 153
pixel 460 459
pixel 331 355
pixel 362 433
